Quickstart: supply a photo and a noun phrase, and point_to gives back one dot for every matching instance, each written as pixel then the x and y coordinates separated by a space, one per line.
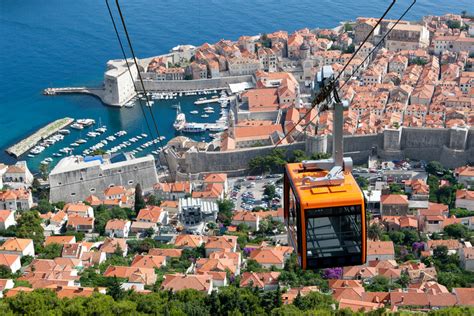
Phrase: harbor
pixel 26 144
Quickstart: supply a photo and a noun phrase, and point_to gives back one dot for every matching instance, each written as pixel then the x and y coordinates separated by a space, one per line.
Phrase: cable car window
pixel 333 232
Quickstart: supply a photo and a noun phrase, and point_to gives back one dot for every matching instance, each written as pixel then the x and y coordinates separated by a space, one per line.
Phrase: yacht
pixel 144 135
pixel 102 129
pixel 204 116
pixel 209 111
pixel 180 120
pixel 31 156
pixel 64 131
pixel 208 108
pixel 194 112
pixel 77 126
pixel 86 122
pixel 193 128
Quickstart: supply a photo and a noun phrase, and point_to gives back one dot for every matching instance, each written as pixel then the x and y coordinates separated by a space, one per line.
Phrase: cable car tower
pixel 324 207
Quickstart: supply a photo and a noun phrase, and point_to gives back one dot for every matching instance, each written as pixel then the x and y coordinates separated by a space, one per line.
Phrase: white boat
pixel 92 134
pixel 149 103
pixel 86 122
pixel 31 156
pixel 64 131
pixel 208 108
pixel 180 120
pixel 194 112
pixel 77 126
pixel 49 159
pixel 143 135
pixel 139 137
pixel 102 129
pixel 209 111
pixel 81 141
pixel 44 162
pixel 204 116
pixel 194 128
pixel 74 144
pixel 130 104
pixel 110 138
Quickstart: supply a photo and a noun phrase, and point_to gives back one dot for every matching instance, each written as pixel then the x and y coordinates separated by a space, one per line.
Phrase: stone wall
pixel 188 85
pixel 76 185
pixel 229 161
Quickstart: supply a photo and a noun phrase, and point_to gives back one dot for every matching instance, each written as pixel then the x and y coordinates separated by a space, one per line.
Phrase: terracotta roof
pixel 191 241
pixel 394 199
pixel 16 244
pixel 76 208
pixel 167 252
pixel 16 290
pixel 225 243
pixel 116 190
pixel 150 214
pixel 380 248
pixel 464 296
pixel 8 259
pixel 59 240
pixel 75 221
pixel 464 194
pixel 4 214
pixel 245 216
pixel 116 224
pixel 450 243
pixel 267 256
pixel 259 279
pixel 148 261
pixel 215 177
pixel 177 282
pixel 209 264
pixel 110 245
pixel 133 274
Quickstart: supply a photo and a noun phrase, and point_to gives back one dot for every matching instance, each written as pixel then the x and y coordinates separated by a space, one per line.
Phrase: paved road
pixel 256 187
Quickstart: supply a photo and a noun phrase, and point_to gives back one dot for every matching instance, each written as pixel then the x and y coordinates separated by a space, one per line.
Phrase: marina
pixel 26 144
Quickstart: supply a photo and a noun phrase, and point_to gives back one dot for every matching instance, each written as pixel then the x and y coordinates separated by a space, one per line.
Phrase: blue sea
pixel 54 43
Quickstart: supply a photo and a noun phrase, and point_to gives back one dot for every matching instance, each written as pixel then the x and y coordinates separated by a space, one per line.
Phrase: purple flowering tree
pixel 333 273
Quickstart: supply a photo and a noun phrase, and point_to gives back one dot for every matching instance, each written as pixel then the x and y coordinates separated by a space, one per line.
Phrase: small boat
pixel 102 129
pixel 209 111
pixel 139 137
pixel 208 108
pixel 144 135
pixel 81 141
pixel 31 156
pixel 49 159
pixel 92 134
pixel 77 126
pixel 204 115
pixel 85 122
pixel 129 104
pixel 194 112
pixel 44 162
pixel 74 144
pixel 64 131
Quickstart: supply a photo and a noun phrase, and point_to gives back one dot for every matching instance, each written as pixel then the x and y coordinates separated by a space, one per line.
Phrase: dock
pixel 98 92
pixel 26 144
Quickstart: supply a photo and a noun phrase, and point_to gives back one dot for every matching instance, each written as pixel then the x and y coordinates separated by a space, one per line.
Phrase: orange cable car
pixel 324 208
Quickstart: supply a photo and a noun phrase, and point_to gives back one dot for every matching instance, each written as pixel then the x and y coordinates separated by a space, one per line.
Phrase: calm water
pixel 66 43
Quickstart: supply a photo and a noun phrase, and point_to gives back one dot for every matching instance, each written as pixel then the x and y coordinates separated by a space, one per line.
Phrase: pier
pixel 98 92
pixel 26 144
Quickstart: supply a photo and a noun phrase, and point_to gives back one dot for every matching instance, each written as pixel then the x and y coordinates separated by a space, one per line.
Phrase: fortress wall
pixel 187 85
pixel 229 161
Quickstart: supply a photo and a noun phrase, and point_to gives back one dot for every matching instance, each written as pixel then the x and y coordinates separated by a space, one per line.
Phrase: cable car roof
pixel 345 194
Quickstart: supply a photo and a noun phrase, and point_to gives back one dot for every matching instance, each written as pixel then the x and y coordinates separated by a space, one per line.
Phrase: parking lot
pixel 247 192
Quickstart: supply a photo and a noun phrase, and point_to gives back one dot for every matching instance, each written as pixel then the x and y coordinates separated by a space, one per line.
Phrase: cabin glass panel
pixel 333 232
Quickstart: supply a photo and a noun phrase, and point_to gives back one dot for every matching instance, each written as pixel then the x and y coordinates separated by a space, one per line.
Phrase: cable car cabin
pixel 326 223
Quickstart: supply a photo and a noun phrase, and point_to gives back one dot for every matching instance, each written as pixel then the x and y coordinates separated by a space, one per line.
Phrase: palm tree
pixel 374 232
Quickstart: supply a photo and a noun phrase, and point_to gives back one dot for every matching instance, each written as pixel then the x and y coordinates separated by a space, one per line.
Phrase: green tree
pixel 396 188
pixel 435 168
pixel 253 266
pixel 362 182
pixel 5 272
pixel 379 283
pixel 139 200
pixel 225 211
pixel 374 232
pixel 44 206
pixel 269 191
pixel 29 226
pixel 457 231
pixel 347 27
pixel 397 237
pixel 152 200
pixel 44 171
pixel 315 300
pixel 115 289
pixel 51 251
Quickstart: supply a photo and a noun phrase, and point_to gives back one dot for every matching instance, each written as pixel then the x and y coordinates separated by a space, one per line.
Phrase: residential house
pixel 7 219
pixel 465 199
pixel 17 175
pixel 466 258
pixel 220 244
pixel 80 224
pixel 453 245
pixel 270 256
pixel 18 246
pixel 113 245
pixel 188 241
pixel 153 214
pixel 217 178
pixel 267 281
pixel 118 228
pixel 74 251
pixel 172 191
pixel 380 250
pixel 10 261
pixel 61 240
pixel 5 284
pixel 465 175
pixel 248 218
pixel 394 205
pixel 149 261
pixel 177 282
pixel 78 209
pixel 168 253
pixel 134 275
pixel 16 200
